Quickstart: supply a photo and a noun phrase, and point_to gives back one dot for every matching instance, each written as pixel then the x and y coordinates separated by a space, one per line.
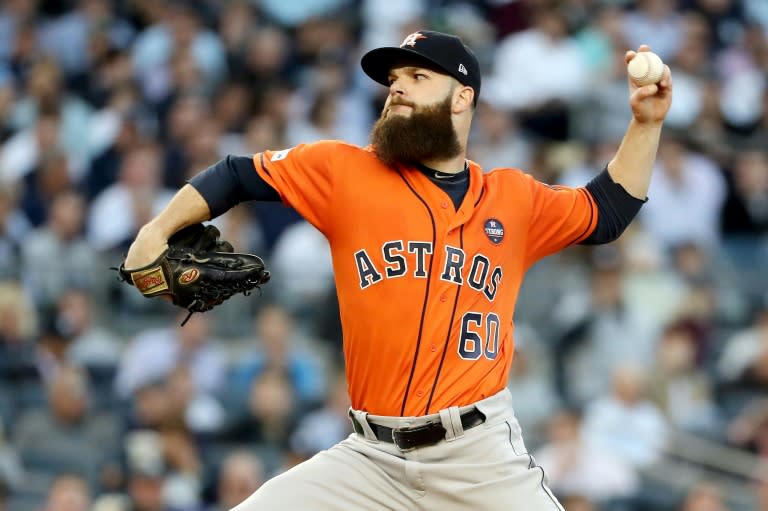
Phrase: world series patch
pixel 494 230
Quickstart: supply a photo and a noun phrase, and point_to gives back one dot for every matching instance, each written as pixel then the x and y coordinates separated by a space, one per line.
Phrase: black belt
pixel 420 436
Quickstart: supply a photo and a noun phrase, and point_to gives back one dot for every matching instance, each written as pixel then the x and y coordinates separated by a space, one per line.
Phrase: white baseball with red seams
pixel 645 68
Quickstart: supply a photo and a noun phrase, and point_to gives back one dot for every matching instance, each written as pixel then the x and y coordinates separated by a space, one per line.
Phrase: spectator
pixel 684 182
pixel 184 114
pixel 761 489
pixel 178 27
pixel 657 21
pixel 145 489
pixel 625 422
pixel 236 22
pixel 749 429
pixel 743 363
pixel 678 387
pixel 704 497
pixel 47 180
pixel 574 467
pixel 322 428
pixel 302 259
pixel 14 226
pixel 11 470
pixel 202 148
pixel 65 437
pixel 117 212
pixel 90 345
pixel 291 15
pixel 47 277
pixel 692 66
pixel 241 473
pixel 126 128
pixel 280 348
pixel 500 141
pixel 153 354
pixel 46 90
pixel 578 503
pixel 270 417
pixel 12 14
pixel 109 74
pixel 196 410
pixel 18 327
pixel 148 408
pixel 588 326
pixel 742 84
pixel 531 382
pixel 319 124
pixel 541 54
pixel 183 469
pixel 111 502
pixel 67 37
pixel 264 60
pixel 68 493
pixel 745 212
pixel 231 107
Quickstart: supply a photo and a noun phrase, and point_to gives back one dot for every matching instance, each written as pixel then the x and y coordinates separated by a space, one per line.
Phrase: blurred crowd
pixel 626 353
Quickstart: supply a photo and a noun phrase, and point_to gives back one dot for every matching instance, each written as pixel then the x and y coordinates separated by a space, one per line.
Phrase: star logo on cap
pixel 411 39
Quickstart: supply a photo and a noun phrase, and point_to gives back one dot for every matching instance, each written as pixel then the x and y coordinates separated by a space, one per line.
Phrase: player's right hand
pixel 147 247
pixel 650 103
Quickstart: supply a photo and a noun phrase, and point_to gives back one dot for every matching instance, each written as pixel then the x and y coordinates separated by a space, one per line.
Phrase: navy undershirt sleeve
pixel 615 206
pixel 231 181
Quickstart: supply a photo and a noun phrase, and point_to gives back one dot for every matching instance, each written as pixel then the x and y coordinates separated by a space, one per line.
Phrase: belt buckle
pixel 395 441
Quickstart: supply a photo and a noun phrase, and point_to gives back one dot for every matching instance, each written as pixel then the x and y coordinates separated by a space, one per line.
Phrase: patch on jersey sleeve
pixel 280 155
pixel 494 230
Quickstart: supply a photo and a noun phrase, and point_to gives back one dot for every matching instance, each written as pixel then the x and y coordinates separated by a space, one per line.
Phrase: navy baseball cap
pixel 445 52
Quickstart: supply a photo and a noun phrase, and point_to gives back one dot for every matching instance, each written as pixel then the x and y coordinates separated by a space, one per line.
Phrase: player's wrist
pixel 648 125
pixel 157 230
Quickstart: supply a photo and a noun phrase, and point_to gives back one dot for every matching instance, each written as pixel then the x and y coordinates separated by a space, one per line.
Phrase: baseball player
pixel 429 252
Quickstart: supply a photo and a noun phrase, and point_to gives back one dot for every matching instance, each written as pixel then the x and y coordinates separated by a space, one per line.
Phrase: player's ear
pixel 463 97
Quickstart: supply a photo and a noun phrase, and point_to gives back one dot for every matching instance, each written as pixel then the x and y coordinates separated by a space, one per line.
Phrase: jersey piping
pixel 426 296
pixel 261 161
pixel 589 226
pixel 448 335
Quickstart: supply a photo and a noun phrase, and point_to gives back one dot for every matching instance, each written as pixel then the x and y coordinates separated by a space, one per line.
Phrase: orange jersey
pixel 426 292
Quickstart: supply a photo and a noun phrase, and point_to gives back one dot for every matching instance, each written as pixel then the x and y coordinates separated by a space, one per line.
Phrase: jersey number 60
pixel 472 344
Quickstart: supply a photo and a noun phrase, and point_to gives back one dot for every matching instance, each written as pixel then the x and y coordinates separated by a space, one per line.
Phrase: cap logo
pixel 412 38
pixel 462 69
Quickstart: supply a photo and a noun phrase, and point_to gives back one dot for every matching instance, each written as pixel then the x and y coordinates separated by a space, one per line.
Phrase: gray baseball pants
pixel 486 467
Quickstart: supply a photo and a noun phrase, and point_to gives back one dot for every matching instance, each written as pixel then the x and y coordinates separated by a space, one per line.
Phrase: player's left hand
pixel 650 103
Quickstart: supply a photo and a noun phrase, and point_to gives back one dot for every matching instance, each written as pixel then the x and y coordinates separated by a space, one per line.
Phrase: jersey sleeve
pixel 303 177
pixel 560 216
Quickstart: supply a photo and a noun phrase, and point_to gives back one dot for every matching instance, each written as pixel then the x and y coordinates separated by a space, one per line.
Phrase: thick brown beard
pixel 427 134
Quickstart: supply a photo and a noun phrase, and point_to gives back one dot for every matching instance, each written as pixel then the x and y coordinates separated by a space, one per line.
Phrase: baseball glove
pixel 198 271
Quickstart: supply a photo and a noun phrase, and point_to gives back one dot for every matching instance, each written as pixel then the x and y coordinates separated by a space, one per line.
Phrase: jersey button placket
pixel 444 204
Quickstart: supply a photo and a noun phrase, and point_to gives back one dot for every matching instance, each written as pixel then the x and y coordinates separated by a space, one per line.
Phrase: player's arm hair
pixel 231 181
pixel 616 208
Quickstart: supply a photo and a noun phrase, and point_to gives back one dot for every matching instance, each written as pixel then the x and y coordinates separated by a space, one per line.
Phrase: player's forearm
pixel 187 207
pixel 632 165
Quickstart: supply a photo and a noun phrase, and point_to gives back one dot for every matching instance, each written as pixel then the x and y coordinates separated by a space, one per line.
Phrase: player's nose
pixel 396 88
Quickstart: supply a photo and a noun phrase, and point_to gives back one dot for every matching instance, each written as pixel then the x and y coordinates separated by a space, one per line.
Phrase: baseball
pixel 646 68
